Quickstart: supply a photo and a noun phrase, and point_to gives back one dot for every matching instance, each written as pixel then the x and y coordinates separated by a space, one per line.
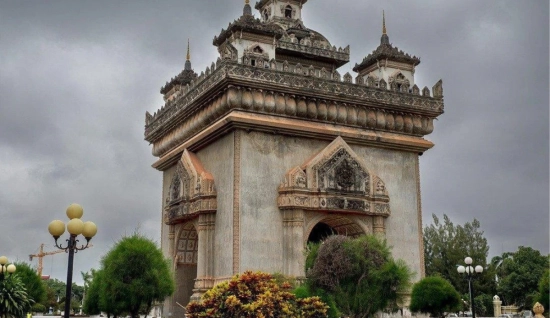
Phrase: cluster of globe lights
pixel 469 269
pixel 10 269
pixel 75 226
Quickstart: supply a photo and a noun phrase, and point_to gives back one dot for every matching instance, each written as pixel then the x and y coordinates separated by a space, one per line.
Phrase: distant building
pixel 271 147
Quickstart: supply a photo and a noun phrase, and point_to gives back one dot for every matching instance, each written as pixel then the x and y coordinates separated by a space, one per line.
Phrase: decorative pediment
pixel 192 190
pixel 335 179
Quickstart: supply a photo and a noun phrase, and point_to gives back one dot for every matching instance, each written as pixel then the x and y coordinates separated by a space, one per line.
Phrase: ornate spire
pixel 384 39
pixel 188 58
pixel 247 10
pixel 383 22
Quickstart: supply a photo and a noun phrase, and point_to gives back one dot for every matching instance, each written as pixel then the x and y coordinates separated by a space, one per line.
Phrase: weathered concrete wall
pixel 398 170
pixel 218 159
pixel 268 157
pixel 259 167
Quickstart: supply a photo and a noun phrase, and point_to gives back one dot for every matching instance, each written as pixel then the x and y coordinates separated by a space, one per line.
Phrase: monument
pixel 271 147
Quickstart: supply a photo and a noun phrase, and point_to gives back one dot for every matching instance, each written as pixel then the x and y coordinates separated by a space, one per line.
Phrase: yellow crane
pixel 40 255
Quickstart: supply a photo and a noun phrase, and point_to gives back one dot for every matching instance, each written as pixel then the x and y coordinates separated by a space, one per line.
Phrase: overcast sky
pixel 76 78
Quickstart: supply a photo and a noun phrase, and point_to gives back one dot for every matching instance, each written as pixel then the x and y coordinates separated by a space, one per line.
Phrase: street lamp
pixel 5 269
pixel 470 275
pixel 75 227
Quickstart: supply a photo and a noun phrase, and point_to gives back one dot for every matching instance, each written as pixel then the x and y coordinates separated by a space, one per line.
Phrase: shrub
pixel 255 295
pixel 434 295
pixel 358 275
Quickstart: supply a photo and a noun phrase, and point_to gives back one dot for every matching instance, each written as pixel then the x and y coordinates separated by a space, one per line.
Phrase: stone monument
pixel 271 147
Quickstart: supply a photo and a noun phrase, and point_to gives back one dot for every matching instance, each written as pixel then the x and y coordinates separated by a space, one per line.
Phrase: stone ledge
pixel 294 127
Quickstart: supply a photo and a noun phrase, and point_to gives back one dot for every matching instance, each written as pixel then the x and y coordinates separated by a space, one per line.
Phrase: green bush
pixel 39 308
pixel 358 275
pixel 435 296
pixel 255 295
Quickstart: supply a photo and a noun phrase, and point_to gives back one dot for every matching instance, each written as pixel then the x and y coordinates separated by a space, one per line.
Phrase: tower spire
pixel 383 22
pixel 188 58
pixel 247 10
pixel 384 39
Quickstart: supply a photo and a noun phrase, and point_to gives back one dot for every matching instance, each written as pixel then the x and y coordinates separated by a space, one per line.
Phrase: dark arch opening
pixel 288 12
pixel 320 232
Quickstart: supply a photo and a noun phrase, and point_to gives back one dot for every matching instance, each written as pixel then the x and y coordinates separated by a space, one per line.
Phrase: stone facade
pixel 268 144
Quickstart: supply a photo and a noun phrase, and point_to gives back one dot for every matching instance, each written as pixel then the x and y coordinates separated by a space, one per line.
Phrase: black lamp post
pixel 75 227
pixel 470 275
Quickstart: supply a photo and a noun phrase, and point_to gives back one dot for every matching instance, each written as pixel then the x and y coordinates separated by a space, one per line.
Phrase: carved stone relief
pixel 334 180
pixel 192 191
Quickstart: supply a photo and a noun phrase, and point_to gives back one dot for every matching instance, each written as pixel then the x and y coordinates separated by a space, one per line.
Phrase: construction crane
pixel 40 256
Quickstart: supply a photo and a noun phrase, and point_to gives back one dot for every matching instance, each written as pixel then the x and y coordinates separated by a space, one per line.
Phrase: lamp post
pixel 5 269
pixel 75 227
pixel 470 275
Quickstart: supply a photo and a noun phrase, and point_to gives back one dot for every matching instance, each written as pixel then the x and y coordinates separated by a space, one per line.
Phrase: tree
pixel 445 247
pixel 359 274
pixel 435 296
pixel 93 302
pixel 135 274
pixel 14 300
pixel 33 283
pixel 520 274
pixel 255 295
pixel 544 290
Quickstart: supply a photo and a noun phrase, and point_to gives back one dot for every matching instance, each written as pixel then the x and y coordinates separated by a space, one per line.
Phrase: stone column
pixel 293 243
pixel 497 306
pixel 172 254
pixel 205 258
pixel 379 227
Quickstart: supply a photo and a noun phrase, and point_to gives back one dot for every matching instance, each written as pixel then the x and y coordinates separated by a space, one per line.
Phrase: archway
pixel 320 232
pixel 334 225
pixel 186 265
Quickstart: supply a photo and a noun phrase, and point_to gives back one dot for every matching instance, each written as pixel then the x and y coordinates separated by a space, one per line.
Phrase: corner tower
pixel 270 147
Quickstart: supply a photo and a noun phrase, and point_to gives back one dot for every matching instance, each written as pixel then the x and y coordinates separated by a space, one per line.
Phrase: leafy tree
pixel 544 290
pixel 55 293
pixel 36 289
pixel 520 274
pixel 435 296
pixel 14 300
pixel 484 305
pixel 135 274
pixel 92 304
pixel 255 295
pixel 445 247
pixel 359 275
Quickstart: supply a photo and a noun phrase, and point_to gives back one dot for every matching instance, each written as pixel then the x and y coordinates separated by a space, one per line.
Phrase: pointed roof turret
pixel 249 24
pixel 385 51
pixel 247 10
pixel 385 39
pixel 188 58
pixel 183 78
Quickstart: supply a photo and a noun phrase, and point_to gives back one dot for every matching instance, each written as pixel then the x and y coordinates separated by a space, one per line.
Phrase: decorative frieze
pixel 196 104
pixel 295 106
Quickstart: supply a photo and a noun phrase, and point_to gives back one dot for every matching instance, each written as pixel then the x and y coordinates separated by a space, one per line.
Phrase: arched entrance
pixel 186 265
pixel 334 225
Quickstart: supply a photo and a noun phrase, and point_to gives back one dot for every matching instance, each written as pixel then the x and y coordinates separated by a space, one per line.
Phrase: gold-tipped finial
pixel 188 54
pixel 383 22
pixel 246 1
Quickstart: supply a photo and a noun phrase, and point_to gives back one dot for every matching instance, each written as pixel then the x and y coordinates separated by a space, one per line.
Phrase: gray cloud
pixel 77 77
